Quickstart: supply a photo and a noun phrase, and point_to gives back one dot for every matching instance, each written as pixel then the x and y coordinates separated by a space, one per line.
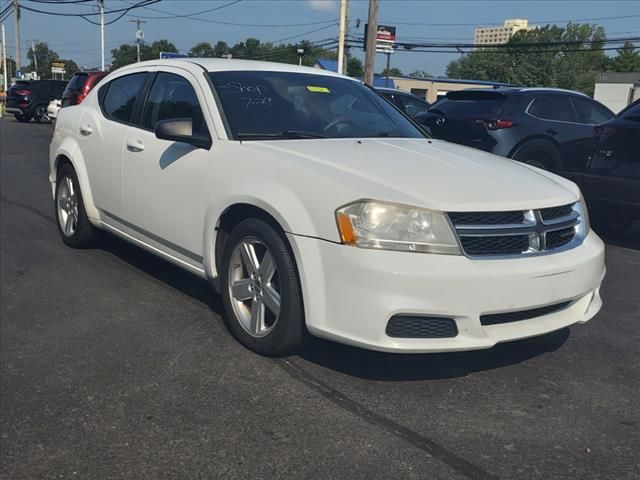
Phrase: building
pixel 617 90
pixel 498 35
pixel 430 89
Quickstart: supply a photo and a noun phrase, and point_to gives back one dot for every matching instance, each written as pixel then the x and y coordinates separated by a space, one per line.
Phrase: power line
pixel 219 22
pixel 476 24
pixel 194 13
pixel 303 34
pixel 141 3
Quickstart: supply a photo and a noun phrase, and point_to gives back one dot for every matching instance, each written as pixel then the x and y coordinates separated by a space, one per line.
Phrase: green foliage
pixel 627 60
pixel 571 66
pixel 127 54
pixel 393 71
pixel 421 73
pixel 251 48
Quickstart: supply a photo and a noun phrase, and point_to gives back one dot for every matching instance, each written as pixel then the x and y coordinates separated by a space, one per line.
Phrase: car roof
pixel 230 65
pixel 547 90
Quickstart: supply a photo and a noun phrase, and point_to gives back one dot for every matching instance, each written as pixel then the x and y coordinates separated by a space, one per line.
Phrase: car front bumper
pixel 351 293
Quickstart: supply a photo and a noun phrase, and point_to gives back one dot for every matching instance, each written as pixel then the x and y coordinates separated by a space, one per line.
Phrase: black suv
pixel 545 127
pixel 28 99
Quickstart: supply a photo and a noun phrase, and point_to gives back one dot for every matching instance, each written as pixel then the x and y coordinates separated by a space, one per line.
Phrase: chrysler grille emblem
pixel 440 121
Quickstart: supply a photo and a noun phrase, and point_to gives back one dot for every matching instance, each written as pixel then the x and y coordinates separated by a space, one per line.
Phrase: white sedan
pixel 315 207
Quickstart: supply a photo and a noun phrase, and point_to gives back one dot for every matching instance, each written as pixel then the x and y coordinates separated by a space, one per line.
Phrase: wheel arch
pixel 68 154
pixel 542 144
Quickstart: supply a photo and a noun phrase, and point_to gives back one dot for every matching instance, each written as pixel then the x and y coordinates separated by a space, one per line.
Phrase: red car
pixel 79 86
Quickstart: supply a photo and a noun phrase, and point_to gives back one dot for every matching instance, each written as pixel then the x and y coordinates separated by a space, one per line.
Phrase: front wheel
pixel 40 115
pixel 74 226
pixel 261 290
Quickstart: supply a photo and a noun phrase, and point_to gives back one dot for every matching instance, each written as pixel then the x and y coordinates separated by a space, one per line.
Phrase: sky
pixel 272 20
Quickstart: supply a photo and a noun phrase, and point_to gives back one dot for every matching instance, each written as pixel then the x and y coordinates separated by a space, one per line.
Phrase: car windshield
pixel 265 105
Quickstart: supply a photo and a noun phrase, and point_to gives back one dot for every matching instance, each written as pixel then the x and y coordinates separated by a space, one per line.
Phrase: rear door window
pixel 77 82
pixel 120 96
pixel 590 112
pixel 557 108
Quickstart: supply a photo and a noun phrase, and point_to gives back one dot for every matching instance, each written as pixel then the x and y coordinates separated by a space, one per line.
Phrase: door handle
pixel 86 130
pixel 551 131
pixel 135 146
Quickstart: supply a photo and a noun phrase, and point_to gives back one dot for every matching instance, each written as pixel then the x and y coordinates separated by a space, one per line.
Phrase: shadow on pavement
pixel 162 270
pixel 397 367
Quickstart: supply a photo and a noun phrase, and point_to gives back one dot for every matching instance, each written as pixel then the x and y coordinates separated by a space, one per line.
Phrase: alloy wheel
pixel 67 206
pixel 42 115
pixel 254 287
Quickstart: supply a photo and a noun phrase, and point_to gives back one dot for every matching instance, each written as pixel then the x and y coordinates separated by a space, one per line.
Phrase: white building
pixel 498 35
pixel 617 90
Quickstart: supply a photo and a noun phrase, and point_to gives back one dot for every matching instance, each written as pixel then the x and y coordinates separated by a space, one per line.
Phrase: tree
pixel 420 73
pixel 127 54
pixel 355 67
pixel 627 60
pixel 43 56
pixel 392 72
pixel 202 49
pixel 554 63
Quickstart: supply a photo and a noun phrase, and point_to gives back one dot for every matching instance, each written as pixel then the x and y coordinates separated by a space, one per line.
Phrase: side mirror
pixel 181 130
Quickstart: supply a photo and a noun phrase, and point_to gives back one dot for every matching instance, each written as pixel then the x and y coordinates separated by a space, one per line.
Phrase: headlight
pixel 387 226
pixel 585 225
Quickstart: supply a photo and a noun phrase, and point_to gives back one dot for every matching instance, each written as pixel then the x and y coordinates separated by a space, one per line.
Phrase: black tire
pixel 40 114
pixel 288 333
pixel 84 234
pixel 21 118
pixel 616 223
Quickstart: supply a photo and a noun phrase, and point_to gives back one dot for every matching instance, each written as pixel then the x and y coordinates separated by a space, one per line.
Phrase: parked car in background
pixel 407 102
pixel 29 99
pixel 79 86
pixel 547 128
pixel 53 108
pixel 223 167
pixel 611 181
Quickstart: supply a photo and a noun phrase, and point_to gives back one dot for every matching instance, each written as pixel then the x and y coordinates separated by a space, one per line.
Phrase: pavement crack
pixel 437 451
pixel 29 208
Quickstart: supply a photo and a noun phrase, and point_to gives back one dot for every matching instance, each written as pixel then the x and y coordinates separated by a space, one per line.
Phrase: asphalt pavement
pixel 116 365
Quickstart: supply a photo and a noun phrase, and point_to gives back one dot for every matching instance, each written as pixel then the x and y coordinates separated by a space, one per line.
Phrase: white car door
pixel 102 130
pixel 164 181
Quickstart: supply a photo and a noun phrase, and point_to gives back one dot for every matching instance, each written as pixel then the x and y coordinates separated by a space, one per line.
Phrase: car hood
pixel 430 173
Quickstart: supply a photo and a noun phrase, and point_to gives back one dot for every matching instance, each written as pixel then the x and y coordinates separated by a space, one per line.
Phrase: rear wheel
pixel 74 226
pixel 40 115
pixel 261 291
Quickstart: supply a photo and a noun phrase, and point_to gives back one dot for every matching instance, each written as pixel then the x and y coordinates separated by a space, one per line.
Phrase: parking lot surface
pixel 116 364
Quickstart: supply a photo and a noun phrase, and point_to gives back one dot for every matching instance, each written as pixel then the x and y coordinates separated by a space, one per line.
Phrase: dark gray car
pixel 548 128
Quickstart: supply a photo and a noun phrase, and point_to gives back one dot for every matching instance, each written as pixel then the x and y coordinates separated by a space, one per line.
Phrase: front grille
pixel 514 233
pixel 403 326
pixel 486 218
pixel 559 238
pixel 554 213
pixel 495 245
pixel 508 317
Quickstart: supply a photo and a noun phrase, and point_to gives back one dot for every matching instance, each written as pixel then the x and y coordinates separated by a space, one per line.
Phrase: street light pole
pixel 4 59
pixel 300 54
pixel 101 7
pixel 370 47
pixel 35 57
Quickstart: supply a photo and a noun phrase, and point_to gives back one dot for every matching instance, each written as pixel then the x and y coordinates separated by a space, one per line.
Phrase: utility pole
pixel 341 35
pixel 16 31
pixel 370 52
pixel 139 34
pixel 101 7
pixel 35 57
pixel 4 60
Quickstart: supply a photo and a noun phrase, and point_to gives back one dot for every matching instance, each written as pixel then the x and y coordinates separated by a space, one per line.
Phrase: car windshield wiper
pixel 285 134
